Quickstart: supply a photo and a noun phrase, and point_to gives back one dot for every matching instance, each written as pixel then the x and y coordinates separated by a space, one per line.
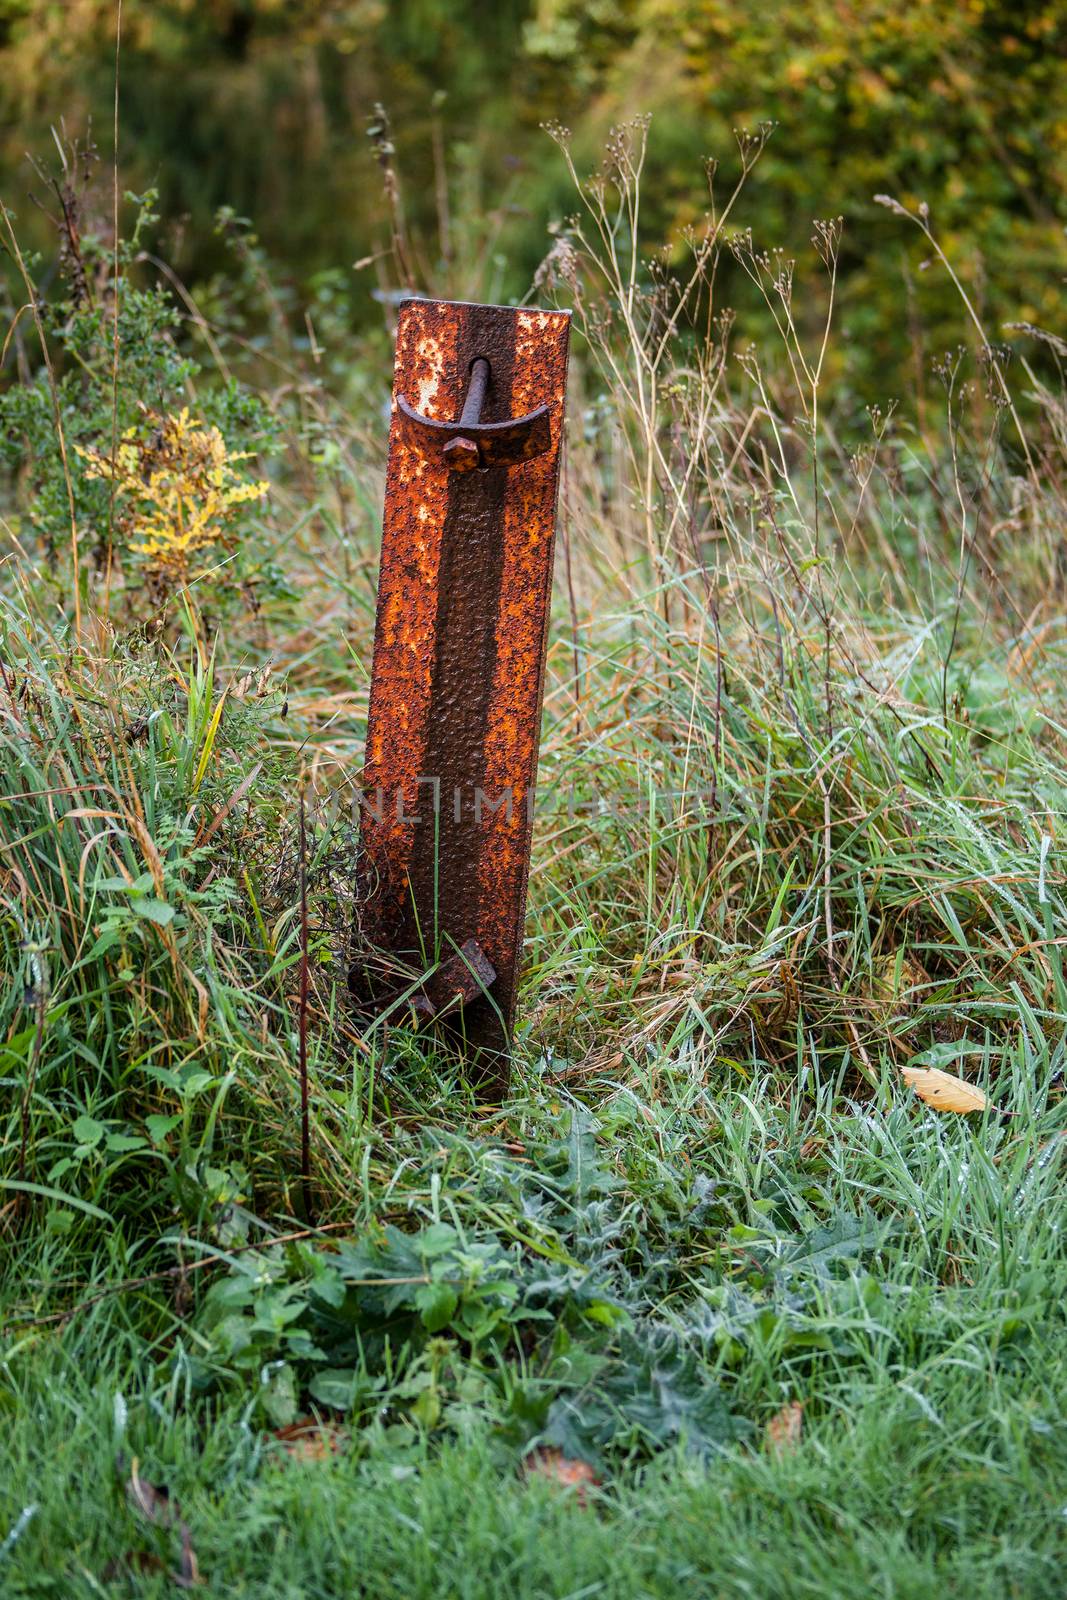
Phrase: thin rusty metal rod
pixel 463 454
pixel 479 383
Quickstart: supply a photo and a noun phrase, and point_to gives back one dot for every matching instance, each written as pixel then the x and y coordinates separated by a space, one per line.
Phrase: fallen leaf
pixel 783 1430
pixel 156 1506
pixel 558 1469
pixel 308 1440
pixel 188 1573
pixel 149 1502
pixel 944 1092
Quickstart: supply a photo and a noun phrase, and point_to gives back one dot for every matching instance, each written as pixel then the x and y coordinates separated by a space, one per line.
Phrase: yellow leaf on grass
pixel 944 1092
pixel 545 1462
pixel 308 1440
pixel 784 1428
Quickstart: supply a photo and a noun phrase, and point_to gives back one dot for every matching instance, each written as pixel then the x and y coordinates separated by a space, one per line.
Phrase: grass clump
pixel 801 799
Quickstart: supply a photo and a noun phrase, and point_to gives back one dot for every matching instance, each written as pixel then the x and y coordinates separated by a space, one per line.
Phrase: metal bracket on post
pixel 459 651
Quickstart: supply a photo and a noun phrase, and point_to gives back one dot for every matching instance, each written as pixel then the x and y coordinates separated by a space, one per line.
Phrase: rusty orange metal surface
pixel 457 678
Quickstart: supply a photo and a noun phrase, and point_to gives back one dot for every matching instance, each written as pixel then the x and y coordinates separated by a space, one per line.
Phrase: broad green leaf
pixel 334 1386
pixel 88 1131
pixel 156 911
pixel 119 1143
pixel 278 1394
pixel 159 1126
pixel 436 1304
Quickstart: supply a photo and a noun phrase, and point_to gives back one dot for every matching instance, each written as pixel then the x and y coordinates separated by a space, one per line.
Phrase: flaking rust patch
pixel 457 677
pixel 407 586
pixel 512 734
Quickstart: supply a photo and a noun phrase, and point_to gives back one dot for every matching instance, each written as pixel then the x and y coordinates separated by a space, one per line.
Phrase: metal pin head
pixel 461 454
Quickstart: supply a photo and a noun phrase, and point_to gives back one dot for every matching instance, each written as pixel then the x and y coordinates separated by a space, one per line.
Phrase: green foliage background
pixel 801 824
pixel 263 105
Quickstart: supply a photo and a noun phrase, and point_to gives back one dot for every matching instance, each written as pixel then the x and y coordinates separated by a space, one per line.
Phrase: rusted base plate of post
pixel 457 678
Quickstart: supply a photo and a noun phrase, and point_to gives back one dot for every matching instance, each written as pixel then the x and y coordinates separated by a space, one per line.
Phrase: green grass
pixel 930 1364
pixel 802 780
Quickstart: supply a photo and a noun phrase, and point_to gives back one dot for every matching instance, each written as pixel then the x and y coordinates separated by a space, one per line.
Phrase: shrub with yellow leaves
pixel 178 490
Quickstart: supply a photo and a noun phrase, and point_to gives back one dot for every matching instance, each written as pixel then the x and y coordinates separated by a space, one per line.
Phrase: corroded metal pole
pixel 457 678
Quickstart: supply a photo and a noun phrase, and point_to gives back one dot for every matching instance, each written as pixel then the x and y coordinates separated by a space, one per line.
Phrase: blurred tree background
pixel 264 106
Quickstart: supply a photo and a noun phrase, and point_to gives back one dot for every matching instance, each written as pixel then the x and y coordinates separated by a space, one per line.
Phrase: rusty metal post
pixel 457 677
